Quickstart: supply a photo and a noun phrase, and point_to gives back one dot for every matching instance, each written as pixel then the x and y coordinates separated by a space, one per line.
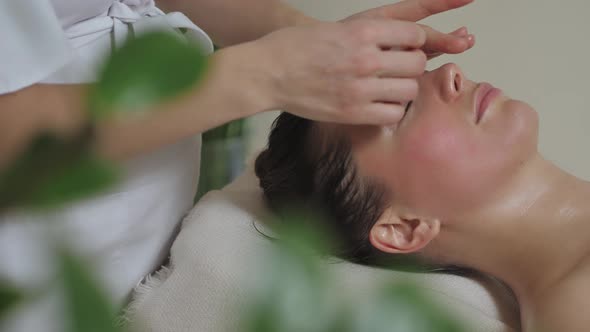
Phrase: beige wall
pixel 535 50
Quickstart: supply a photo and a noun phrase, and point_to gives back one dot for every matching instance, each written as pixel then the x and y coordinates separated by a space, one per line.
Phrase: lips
pixel 486 93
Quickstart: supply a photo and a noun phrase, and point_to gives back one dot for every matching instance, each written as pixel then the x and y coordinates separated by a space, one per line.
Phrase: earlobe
pixel 396 235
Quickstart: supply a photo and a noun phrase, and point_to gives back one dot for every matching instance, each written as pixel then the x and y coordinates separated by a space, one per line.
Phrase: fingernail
pixel 461 32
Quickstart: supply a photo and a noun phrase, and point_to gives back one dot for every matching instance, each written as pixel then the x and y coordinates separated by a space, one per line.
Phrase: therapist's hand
pixel 362 70
pixel 358 72
pixel 437 43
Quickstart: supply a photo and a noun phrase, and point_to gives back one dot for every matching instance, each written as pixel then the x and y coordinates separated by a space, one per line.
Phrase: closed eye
pixel 407 108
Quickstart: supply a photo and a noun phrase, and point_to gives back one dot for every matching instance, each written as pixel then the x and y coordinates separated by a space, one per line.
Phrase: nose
pixel 451 81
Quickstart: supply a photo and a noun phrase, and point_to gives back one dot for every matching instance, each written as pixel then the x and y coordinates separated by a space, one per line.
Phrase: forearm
pixel 58 109
pixel 230 22
pixel 230 91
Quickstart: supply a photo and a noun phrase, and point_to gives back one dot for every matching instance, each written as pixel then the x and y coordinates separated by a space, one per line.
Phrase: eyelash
pixel 407 108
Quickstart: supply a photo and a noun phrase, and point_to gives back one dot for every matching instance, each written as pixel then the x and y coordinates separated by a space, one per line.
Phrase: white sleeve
pixel 32 43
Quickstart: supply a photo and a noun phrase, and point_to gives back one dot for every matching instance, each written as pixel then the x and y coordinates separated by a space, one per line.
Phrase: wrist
pixel 242 72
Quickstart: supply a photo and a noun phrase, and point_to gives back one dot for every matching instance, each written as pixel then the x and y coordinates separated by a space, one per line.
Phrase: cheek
pixel 447 166
pixel 437 163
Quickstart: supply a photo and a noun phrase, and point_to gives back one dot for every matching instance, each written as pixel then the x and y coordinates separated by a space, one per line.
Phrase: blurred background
pixel 535 50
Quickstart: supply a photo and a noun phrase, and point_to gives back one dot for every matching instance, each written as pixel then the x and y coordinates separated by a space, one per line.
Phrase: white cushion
pixel 212 259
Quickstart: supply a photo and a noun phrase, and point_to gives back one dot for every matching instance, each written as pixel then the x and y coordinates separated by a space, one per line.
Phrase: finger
pixel 391 34
pixel 397 64
pixel 461 32
pixel 439 42
pixel 416 10
pixel 379 114
pixel 392 90
pixel 432 54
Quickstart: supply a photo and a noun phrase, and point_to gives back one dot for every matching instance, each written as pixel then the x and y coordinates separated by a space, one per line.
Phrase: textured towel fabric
pixel 214 256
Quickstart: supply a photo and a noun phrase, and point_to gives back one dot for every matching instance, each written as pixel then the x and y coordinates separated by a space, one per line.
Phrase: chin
pixel 523 118
pixel 523 128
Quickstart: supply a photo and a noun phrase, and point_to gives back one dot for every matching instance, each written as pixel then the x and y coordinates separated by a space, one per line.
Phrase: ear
pixel 402 235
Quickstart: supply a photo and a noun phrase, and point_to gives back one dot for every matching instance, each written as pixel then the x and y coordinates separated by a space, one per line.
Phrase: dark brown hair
pixel 306 168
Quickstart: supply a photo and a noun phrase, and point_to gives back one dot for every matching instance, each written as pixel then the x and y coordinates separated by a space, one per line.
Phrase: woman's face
pixel 445 155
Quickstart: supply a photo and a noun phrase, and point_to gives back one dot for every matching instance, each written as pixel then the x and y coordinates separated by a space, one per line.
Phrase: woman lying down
pixel 457 182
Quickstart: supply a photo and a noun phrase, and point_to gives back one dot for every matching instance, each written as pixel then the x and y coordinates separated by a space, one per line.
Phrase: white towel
pixel 207 280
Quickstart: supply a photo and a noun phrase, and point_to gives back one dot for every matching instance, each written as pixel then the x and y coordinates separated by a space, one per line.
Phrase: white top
pixel 39 37
pixel 126 233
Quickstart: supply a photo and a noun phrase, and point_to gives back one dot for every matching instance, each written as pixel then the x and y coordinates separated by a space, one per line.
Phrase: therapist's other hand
pixel 358 72
pixel 437 43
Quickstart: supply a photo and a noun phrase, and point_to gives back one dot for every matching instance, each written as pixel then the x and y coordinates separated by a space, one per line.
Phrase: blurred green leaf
pixel 53 172
pixel 403 307
pixel 89 308
pixel 300 231
pixel 9 297
pixel 146 70
pixel 297 295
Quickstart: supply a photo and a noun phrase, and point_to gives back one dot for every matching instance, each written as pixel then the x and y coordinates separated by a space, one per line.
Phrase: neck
pixel 532 237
